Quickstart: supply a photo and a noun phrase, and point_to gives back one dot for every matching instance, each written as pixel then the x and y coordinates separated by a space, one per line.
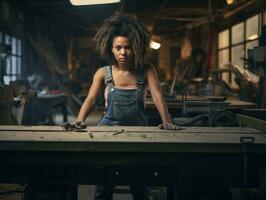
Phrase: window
pixel 224 59
pixel 223 53
pixel 11 60
pixel 238 33
pixel 252 28
pixel 234 42
pixel 237 54
pixel 223 56
pixel 224 39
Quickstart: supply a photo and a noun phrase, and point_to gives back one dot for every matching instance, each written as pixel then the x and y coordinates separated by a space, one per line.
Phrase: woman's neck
pixel 123 67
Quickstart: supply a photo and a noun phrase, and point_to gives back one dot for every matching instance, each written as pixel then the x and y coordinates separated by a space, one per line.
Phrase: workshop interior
pixel 210 57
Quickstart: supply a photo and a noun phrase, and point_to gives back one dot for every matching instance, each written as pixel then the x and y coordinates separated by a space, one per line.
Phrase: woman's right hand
pixel 74 126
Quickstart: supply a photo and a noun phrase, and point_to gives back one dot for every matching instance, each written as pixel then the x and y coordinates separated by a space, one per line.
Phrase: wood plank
pixel 252 122
pixel 134 134
pixel 224 130
pixel 131 139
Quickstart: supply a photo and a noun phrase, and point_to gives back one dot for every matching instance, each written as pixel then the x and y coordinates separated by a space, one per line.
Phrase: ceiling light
pixel 155 45
pixel 92 2
pixel 229 2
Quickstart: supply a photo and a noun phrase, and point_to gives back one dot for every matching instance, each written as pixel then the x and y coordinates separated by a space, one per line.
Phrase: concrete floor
pixel 86 192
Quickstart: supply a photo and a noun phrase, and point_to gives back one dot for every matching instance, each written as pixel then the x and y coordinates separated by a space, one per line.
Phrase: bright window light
pixel 92 2
pixel 155 45
pixel 253 37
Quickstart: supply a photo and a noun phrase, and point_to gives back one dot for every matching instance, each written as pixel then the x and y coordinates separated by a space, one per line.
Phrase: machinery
pixel 257 64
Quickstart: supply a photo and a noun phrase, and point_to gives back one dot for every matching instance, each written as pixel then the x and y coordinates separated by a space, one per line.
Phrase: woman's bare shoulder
pixel 149 71
pixel 100 73
pixel 147 67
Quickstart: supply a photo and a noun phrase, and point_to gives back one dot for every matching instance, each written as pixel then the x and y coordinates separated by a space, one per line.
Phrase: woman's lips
pixel 123 59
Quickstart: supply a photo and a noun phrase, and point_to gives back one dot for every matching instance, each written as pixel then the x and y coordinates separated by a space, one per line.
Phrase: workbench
pixel 177 105
pixel 132 155
pixel 176 102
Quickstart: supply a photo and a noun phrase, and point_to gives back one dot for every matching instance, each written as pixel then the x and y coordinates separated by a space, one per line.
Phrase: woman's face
pixel 122 50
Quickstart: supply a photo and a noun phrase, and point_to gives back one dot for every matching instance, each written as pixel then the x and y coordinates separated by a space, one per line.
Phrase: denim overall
pixel 126 108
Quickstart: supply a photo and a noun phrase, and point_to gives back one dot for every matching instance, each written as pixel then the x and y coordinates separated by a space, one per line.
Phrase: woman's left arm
pixel 158 99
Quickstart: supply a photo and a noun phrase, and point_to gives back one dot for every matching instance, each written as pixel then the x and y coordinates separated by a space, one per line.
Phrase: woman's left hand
pixel 170 126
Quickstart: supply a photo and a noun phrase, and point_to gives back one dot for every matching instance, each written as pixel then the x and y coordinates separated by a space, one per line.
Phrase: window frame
pixel 245 42
pixel 13 59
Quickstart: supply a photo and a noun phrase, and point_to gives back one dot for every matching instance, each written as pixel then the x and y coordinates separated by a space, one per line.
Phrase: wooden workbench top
pixel 118 138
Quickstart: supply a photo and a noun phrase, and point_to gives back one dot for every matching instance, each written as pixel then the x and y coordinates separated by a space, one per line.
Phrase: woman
pixel 124 43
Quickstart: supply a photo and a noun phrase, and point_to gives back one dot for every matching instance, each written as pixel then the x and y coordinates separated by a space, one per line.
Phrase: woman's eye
pixel 119 48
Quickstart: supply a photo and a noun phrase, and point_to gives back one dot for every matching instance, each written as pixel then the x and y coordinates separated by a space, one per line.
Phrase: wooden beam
pixel 202 21
pixel 177 11
pixel 239 7
pixel 180 19
pixel 157 16
pixel 74 24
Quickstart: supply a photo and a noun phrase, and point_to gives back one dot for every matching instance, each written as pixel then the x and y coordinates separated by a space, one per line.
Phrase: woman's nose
pixel 122 51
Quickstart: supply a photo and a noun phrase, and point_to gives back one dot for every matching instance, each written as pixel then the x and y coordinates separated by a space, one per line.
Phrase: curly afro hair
pixel 123 25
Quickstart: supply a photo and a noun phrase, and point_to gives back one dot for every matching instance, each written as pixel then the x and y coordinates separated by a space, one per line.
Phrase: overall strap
pixel 139 77
pixel 140 83
pixel 108 76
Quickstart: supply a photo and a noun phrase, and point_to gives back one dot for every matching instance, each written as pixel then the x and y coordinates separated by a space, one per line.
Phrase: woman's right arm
pixel 97 83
